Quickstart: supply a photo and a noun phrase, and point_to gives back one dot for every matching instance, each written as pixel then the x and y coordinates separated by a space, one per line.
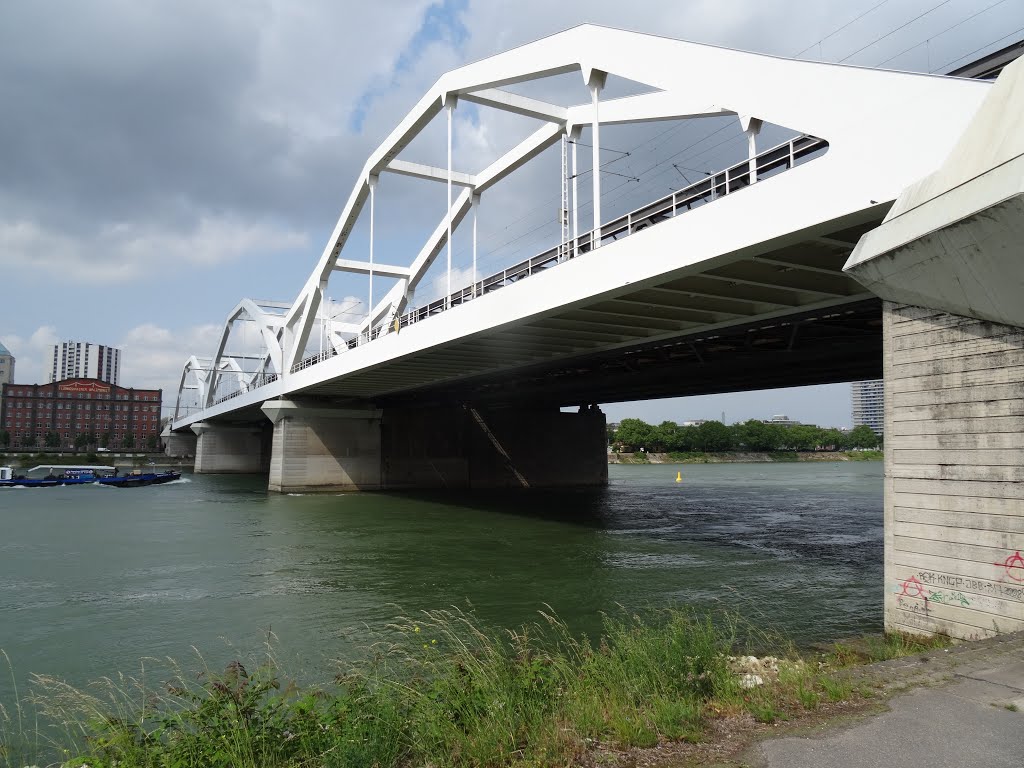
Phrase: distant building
pixel 693 422
pixel 114 415
pixel 782 420
pixel 6 370
pixel 84 360
pixel 869 404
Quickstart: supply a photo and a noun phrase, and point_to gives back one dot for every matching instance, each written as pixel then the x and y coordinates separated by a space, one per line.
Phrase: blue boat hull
pixel 123 481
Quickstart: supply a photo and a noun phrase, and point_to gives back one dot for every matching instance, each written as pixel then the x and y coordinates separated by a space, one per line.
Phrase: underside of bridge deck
pixel 836 345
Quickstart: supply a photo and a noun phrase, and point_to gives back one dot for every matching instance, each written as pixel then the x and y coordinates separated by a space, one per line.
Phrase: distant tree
pixel 803 437
pixel 105 440
pixel 635 434
pixel 755 435
pixel 81 440
pixel 667 436
pixel 833 439
pixel 151 443
pixel 687 439
pixel 128 441
pixel 51 440
pixel 5 438
pixel 713 436
pixel 863 436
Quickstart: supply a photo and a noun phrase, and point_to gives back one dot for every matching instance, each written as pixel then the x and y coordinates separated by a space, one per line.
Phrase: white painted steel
pixel 871 120
pixel 953 239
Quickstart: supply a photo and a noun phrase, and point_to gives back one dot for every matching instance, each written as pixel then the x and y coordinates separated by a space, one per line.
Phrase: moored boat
pixel 136 480
pixel 82 475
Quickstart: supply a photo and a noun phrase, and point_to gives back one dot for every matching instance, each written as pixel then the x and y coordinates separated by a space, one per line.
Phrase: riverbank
pixel 742 457
pixel 441 689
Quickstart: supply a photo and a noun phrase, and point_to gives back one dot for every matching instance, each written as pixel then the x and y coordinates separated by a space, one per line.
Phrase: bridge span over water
pixel 876 233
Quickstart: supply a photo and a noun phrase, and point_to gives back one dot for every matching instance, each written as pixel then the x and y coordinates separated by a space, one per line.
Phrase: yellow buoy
pixel 679 477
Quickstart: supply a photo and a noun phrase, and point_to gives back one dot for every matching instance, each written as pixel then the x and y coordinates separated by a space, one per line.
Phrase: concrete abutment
pixel 954 473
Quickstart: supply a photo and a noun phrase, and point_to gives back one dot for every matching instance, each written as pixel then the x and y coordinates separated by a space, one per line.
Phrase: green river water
pixel 94 579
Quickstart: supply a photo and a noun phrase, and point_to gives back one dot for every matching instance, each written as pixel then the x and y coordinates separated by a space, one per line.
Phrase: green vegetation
pixel 752 435
pixel 866 455
pixel 438 691
pixel 874 648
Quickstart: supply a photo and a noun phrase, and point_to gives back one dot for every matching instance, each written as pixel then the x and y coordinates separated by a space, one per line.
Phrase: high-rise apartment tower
pixel 869 404
pixel 84 360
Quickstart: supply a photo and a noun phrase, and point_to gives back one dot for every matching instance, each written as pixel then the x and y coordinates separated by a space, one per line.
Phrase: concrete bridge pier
pixel 520 447
pixel 177 444
pixel 321 448
pixel 954 475
pixel 230 449
pixel 318 447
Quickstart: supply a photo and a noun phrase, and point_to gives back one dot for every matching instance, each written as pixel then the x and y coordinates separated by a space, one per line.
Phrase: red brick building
pixel 117 417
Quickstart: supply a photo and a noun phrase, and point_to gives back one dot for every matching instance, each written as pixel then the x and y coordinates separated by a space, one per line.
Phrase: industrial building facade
pixel 108 415
pixel 85 360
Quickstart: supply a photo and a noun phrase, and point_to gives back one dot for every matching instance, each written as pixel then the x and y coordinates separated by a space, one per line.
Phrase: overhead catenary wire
pixel 893 31
pixel 940 34
pixel 978 50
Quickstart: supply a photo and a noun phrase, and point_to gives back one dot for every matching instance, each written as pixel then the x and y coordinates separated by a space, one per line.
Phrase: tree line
pixel 752 435
pixel 82 441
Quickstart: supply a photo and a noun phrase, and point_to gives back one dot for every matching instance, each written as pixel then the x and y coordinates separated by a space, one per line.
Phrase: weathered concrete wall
pixel 318 448
pixel 222 449
pixel 425 448
pixel 954 479
pixel 180 444
pixel 547 447
pixel 449 448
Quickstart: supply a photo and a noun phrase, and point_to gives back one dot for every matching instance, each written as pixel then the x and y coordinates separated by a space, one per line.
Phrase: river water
pixel 92 579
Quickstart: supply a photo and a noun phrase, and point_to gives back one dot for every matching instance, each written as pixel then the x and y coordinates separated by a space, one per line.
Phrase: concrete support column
pixel 509 448
pixel 317 447
pixel 230 449
pixel 179 444
pixel 954 473
pixel 320 448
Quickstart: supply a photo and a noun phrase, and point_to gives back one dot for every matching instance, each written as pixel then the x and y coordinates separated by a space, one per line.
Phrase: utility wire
pixel 897 29
pixel 836 31
pixel 940 34
pixel 976 50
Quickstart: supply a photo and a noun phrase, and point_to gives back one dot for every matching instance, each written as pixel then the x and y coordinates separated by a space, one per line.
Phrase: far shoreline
pixel 743 457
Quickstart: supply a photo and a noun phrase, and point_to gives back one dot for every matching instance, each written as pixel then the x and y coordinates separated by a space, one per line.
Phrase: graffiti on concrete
pixel 950 598
pixel 1014 566
pixel 997 589
pixel 912 588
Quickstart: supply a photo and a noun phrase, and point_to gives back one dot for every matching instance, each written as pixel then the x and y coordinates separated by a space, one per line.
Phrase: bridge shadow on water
pixel 586 507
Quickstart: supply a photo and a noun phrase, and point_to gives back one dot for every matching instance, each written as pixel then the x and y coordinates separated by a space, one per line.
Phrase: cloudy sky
pixel 161 160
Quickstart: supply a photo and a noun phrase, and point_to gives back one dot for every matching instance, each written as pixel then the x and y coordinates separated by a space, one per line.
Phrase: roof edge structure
pixel 928 249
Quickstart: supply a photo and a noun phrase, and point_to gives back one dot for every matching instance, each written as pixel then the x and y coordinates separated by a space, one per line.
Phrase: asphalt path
pixel 970 712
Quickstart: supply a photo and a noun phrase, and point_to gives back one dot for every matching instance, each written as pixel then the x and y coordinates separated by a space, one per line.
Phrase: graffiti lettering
pixel 951 598
pixel 1003 590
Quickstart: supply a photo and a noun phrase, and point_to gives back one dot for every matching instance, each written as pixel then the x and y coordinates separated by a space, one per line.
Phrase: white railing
pixel 782 157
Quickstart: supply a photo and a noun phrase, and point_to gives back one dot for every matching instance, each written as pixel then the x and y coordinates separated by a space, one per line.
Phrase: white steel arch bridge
pixel 750 254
